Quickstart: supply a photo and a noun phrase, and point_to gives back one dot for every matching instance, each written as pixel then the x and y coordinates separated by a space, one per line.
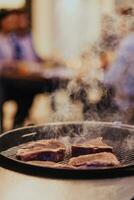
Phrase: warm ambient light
pixel 11 4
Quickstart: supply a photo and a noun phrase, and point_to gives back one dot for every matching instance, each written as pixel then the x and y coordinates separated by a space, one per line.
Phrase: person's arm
pixel 121 63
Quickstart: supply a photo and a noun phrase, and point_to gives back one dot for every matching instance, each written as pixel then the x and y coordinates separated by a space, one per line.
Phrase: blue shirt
pixel 6 47
pixel 23 47
pixel 121 73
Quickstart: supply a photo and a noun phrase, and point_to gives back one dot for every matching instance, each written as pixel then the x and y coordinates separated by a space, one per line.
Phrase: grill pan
pixel 119 136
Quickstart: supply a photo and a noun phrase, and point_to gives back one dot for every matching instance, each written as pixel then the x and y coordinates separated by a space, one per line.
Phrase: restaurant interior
pixel 60 73
pixel 67 99
pixel 61 78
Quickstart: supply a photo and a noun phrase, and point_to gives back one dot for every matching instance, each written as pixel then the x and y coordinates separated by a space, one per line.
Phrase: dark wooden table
pixel 41 76
pixel 15 186
pixel 32 81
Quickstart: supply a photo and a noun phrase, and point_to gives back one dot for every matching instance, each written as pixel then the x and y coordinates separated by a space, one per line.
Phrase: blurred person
pixel 23 42
pixel 25 51
pixel 24 45
pixel 10 53
pixel 8 24
pixel 108 45
pixel 121 73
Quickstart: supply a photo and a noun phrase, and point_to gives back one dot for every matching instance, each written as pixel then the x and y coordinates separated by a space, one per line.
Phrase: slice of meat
pixel 51 164
pixel 48 150
pixel 103 159
pixel 42 163
pixel 89 147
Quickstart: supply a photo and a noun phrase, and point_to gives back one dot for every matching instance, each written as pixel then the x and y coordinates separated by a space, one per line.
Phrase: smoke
pixel 64 109
pixel 80 100
pixel 85 97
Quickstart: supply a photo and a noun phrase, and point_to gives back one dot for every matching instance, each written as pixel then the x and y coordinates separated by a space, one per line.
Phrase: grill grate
pixel 124 155
pixel 121 139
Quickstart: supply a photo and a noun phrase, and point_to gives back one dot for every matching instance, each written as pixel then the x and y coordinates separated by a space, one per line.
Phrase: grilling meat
pixel 47 150
pixel 51 164
pixel 89 147
pixel 43 163
pixel 104 159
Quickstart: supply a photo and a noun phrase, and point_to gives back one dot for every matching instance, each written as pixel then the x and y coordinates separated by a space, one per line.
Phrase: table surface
pixel 15 186
pixel 40 74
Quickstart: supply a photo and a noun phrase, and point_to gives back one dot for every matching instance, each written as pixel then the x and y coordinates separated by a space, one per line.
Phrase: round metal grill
pixel 120 137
